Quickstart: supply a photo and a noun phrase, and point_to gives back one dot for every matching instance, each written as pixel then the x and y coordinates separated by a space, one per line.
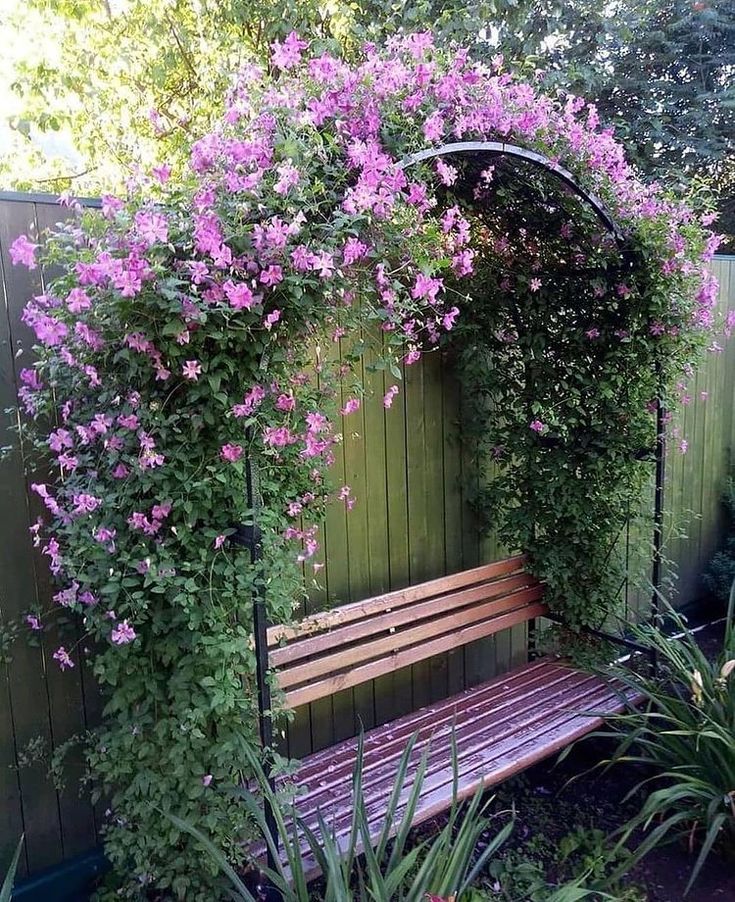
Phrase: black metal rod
pixel 658 505
pixel 601 634
pixel 253 537
pixel 513 150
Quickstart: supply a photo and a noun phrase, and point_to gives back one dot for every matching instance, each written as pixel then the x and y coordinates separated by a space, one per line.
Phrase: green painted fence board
pixel 27 670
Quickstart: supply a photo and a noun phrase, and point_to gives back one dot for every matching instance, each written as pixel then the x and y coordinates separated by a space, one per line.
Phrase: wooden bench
pixel 500 726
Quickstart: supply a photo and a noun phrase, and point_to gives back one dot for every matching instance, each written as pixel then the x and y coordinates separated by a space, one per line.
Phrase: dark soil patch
pixel 549 807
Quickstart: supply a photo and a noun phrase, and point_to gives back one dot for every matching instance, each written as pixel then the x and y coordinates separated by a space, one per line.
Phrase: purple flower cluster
pixel 256 256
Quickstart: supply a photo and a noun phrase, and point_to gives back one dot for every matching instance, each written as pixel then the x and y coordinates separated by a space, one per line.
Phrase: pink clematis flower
pixel 271 319
pixel 231 452
pixel 23 251
pixel 191 370
pixel 61 655
pixel 122 633
pixel 389 396
pixel 287 54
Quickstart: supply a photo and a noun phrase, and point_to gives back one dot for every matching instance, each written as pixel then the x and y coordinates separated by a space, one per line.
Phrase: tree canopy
pixel 132 81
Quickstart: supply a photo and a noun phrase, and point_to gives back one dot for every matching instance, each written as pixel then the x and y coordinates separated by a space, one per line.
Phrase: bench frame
pixel 489 599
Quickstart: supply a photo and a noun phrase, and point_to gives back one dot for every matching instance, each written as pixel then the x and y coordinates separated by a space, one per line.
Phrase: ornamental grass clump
pixel 686 733
pixel 364 869
pixel 220 318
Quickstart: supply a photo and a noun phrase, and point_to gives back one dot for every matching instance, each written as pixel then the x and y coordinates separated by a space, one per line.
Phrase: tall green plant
pixel 366 868
pixel 686 733
pixel 6 890
pixel 721 571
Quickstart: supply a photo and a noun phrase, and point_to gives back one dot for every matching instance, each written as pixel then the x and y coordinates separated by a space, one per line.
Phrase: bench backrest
pixel 352 644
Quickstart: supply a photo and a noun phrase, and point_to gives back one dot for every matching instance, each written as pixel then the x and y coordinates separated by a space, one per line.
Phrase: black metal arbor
pixel 250 535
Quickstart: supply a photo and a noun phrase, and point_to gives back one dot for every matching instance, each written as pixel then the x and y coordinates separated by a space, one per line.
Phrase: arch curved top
pixel 531 156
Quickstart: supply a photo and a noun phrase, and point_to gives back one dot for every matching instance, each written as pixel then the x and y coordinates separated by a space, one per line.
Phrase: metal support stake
pixel 253 538
pixel 658 507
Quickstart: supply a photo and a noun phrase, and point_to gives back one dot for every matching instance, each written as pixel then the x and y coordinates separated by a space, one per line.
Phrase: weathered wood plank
pixel 437 685
pixel 453 502
pixel 67 691
pixel 392 692
pixel 376 624
pixel 495 694
pixel 355 444
pixel 421 509
pixel 349 613
pixel 499 728
pixel 11 812
pixel 344 657
pixel 27 671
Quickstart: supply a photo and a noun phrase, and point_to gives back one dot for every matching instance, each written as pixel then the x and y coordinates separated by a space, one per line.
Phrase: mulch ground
pixel 551 806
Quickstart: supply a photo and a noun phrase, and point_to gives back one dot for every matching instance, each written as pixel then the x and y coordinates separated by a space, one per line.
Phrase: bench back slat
pixel 348 613
pixel 326 653
pixel 341 636
pixel 343 657
pixel 355 676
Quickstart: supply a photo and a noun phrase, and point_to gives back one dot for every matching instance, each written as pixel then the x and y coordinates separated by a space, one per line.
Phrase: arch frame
pixel 501 148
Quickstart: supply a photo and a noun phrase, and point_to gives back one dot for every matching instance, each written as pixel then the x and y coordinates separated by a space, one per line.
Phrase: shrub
pixel 721 574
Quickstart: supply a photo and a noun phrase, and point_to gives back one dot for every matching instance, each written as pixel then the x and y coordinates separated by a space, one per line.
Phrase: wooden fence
pixel 410 523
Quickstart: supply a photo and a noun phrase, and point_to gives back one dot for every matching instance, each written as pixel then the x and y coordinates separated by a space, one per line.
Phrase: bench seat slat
pixel 484 749
pixel 471 735
pixel 332 684
pixel 376 624
pixel 332 764
pixel 502 727
pixel 342 658
pixel 348 613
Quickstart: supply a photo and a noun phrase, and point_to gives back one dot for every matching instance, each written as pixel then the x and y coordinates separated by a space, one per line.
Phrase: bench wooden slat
pixel 502 727
pixel 549 737
pixel 341 659
pixel 357 610
pixel 334 763
pixel 481 748
pixel 361 629
pixel 395 661
pixel 519 712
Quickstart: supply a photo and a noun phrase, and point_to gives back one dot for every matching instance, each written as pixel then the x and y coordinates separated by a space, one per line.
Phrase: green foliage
pixel 569 353
pixel 686 733
pixel 721 573
pixel 521 879
pixel 577 865
pixel 661 71
pixel 6 890
pixel 445 864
